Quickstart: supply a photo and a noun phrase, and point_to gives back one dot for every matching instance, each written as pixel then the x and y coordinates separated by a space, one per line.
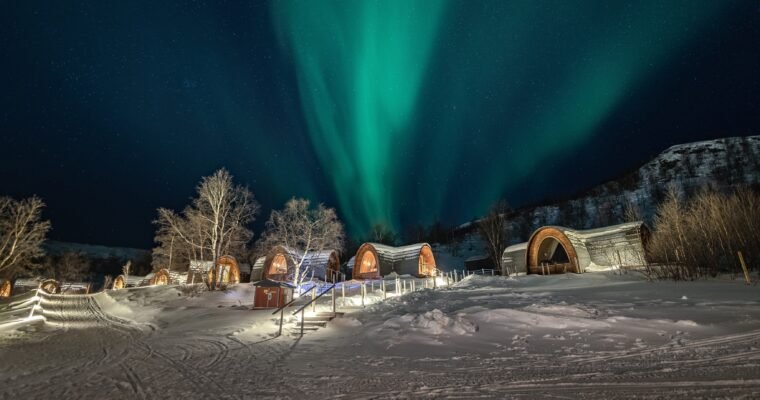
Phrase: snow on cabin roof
pixel 27 282
pixel 394 254
pixel 177 277
pixel 477 258
pixel 200 266
pixel 245 268
pixel 516 247
pixel 134 280
pixel 260 262
pixel 66 286
pixel 351 262
pixel 313 258
pixel 603 231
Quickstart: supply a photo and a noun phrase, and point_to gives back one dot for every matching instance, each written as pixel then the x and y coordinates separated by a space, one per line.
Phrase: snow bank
pixel 434 322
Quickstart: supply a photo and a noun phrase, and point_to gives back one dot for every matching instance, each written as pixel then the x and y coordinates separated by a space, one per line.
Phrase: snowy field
pixel 597 335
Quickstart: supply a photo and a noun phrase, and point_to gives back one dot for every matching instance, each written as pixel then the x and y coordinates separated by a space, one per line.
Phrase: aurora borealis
pixel 401 112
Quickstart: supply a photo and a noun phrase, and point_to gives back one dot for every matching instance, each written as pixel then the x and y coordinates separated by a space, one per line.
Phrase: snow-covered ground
pixel 597 335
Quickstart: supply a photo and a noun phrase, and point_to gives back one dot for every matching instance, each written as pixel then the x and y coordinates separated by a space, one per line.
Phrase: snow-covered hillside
pixel 591 336
pixel 721 163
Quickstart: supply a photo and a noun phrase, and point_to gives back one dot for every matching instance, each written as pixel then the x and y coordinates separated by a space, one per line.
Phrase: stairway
pixel 312 322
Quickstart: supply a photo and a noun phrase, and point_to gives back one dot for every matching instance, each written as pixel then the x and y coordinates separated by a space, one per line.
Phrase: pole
pixel 384 292
pixel 313 296
pixel 333 298
pixel 744 267
pixel 343 293
pixel 302 321
pixel 282 315
pixel 363 288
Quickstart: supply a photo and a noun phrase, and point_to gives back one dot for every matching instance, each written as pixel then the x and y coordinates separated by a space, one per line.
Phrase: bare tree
pixel 22 232
pixel 126 269
pixel 71 266
pixel 492 229
pixel 701 237
pixel 381 233
pixel 216 221
pixel 300 227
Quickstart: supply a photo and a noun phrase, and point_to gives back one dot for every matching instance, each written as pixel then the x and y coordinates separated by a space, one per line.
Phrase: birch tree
pixel 215 222
pixel 22 231
pixel 305 229
pixel 492 229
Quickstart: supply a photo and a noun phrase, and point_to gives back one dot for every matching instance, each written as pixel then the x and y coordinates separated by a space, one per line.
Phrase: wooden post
pixel 313 296
pixel 282 315
pixel 744 267
pixel 343 293
pixel 372 282
pixel 302 322
pixel 382 283
pixel 413 288
pixel 333 298
pixel 364 289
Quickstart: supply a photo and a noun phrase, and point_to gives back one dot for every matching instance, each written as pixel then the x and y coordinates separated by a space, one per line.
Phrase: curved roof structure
pixel 557 249
pixel 375 260
pixel 280 264
pixel 513 258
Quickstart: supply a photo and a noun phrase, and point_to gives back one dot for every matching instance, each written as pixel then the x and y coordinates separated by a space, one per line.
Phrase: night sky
pixel 401 112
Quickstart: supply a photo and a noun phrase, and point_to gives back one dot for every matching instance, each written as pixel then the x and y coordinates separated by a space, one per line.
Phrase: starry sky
pixel 400 112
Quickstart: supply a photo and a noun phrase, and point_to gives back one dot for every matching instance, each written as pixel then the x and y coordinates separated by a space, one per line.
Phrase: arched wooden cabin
pixel 227 270
pixel 374 260
pixel 50 286
pixel 120 282
pixel 280 264
pixel 6 288
pixel 161 278
pixel 556 249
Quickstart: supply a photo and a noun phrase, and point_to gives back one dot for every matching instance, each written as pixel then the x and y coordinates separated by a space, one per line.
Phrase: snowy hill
pixel 721 164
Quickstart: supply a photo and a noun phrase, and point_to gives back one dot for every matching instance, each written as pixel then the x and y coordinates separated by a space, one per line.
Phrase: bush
pixel 701 237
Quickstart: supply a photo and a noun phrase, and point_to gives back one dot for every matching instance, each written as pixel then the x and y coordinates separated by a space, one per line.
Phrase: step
pixel 306 329
pixel 318 318
pixel 332 314
pixel 320 324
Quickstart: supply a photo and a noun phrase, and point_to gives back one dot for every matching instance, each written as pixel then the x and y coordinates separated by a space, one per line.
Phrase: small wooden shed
pixel 272 294
pixel 482 261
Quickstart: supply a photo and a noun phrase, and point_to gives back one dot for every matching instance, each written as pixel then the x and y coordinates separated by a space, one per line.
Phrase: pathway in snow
pixel 596 336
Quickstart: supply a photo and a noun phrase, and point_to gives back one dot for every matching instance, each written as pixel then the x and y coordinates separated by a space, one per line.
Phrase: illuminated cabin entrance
pixel 426 262
pixel 551 252
pixel 368 263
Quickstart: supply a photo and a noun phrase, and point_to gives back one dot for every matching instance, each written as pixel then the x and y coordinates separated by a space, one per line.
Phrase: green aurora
pixel 392 91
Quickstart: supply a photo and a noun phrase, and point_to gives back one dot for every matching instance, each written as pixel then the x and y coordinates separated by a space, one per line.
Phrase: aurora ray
pixel 386 105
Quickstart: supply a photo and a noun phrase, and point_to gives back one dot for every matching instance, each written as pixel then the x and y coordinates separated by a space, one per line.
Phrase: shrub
pixel 701 237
